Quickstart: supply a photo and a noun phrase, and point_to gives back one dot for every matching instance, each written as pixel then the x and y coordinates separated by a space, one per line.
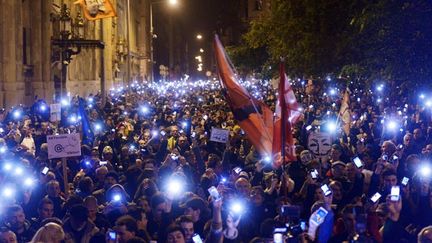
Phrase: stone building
pixel 29 63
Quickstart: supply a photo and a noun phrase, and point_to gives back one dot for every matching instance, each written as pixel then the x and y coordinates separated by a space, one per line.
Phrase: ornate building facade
pixel 30 66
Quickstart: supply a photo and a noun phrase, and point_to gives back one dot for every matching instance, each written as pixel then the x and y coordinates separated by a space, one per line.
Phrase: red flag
pixel 286 115
pixel 254 117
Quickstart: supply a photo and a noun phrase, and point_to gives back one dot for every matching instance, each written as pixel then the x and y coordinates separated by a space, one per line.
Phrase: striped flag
pixel 287 114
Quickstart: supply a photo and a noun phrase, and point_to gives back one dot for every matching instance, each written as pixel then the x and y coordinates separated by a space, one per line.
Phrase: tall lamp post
pixel 152 34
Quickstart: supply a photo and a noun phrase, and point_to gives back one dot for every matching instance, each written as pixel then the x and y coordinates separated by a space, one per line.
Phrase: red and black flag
pixel 254 117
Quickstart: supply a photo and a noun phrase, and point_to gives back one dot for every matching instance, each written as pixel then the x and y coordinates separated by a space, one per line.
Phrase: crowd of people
pixel 150 172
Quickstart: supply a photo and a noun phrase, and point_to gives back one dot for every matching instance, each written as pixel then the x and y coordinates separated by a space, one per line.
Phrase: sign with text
pixel 219 135
pixel 64 145
pixel 55 112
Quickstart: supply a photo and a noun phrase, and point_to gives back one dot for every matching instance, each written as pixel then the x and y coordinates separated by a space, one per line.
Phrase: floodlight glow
pixel 175 186
pixel 237 208
pixel 18 171
pixel 267 159
pixel 8 192
pixel 380 87
pixel 332 92
pixel 73 119
pixel 28 182
pixel 425 170
pixel 379 100
pixel 43 107
pixel 3 149
pixel 331 126
pixel 392 125
pixel 429 103
pixel 64 102
pixel 7 167
pixel 98 127
pixel 184 124
pixel 154 133
pixel 16 114
pixel 144 109
pixel 422 96
pixel 117 197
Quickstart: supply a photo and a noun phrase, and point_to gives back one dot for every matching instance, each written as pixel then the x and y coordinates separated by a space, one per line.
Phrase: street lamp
pixel 152 34
pixel 79 26
pixel 65 22
pixel 68 42
pixel 199 36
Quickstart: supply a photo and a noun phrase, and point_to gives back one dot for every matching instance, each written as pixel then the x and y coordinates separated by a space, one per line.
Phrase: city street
pixel 190 121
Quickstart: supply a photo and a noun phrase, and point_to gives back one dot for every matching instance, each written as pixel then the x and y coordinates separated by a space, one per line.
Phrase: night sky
pixel 189 18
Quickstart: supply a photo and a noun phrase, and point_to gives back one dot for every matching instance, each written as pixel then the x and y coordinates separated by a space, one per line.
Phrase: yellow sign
pixel 97 9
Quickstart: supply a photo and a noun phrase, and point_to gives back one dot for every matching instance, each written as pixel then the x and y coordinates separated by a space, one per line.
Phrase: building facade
pixel 30 66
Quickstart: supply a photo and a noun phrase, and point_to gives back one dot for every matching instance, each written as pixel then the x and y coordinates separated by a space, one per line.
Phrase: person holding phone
pixel 394 229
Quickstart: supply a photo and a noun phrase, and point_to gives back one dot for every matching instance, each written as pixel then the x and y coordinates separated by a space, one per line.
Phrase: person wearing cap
pixel 108 154
pixel 338 173
pixel 78 227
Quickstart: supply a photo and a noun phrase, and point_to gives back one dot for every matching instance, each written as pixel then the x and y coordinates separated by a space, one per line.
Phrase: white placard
pixel 55 112
pixel 219 135
pixel 64 145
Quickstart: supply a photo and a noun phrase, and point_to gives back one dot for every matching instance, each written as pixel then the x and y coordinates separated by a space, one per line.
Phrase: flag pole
pixel 282 104
pixel 283 110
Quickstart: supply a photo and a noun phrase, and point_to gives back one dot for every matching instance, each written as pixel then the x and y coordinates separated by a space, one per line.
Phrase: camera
pixel 314 174
pixel 375 197
pixel 358 163
pixel 395 193
pixel 45 170
pixel 405 181
pixel 214 193
pixel 326 190
pixel 318 217
pixel 237 170
pixel 278 235
pixel 112 235
pixel 196 238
